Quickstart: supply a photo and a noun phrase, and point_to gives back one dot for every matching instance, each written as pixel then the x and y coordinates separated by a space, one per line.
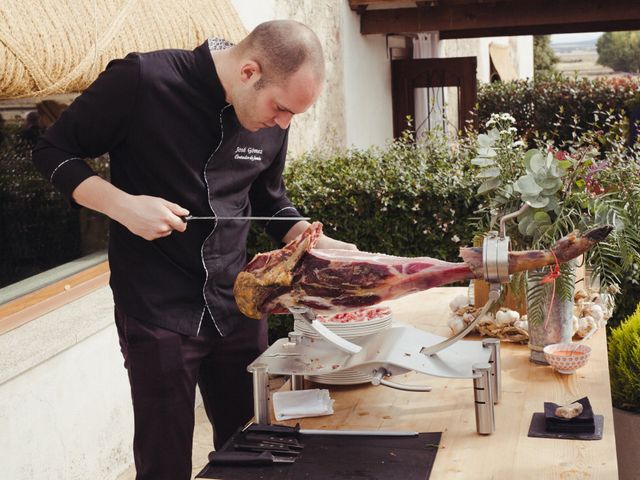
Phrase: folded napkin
pixel 302 403
pixel 583 423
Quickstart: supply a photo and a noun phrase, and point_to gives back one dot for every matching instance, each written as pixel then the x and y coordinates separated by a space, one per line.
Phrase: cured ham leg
pixel 335 280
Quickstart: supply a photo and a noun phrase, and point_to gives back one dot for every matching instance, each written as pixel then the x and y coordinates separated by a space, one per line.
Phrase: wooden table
pixel 449 408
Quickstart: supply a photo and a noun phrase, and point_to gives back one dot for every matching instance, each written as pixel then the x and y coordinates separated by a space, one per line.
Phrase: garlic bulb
pixel 522 324
pixel 505 317
pixel 586 324
pixel 458 302
pixel 596 312
pixel 575 325
pixel 456 324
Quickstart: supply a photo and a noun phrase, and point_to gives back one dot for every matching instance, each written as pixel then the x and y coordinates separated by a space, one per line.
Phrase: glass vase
pixel 553 322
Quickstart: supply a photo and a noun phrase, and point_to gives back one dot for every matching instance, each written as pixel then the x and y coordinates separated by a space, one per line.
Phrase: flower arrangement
pixel 591 179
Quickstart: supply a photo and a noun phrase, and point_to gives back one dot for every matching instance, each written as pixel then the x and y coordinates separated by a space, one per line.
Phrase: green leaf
pixel 537 162
pixel 486 152
pixel 526 185
pixel 489 185
pixel 491 172
pixel 541 218
pixel 565 164
pixel 552 205
pixel 523 224
pixel 536 201
pixel 485 140
pixel 483 161
pixel 528 156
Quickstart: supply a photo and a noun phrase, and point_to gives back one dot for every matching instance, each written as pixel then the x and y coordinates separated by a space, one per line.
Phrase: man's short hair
pixel 281 47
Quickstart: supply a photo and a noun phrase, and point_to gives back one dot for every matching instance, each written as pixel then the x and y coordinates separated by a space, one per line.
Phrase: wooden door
pixel 407 75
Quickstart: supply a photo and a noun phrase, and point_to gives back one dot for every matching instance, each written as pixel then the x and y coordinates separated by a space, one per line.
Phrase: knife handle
pixel 241 458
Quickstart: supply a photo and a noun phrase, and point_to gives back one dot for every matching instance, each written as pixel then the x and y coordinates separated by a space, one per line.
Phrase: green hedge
pixel 554 105
pixel 402 199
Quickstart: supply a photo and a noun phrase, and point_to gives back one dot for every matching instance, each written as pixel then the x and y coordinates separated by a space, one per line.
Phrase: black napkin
pixel 583 423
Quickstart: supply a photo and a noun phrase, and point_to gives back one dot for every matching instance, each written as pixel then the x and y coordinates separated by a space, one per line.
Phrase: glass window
pixel 38 228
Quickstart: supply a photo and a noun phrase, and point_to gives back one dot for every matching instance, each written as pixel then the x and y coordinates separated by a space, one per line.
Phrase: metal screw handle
pixel 378 379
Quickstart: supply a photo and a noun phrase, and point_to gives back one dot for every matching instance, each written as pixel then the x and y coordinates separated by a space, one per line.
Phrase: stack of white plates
pixel 348 330
pixel 352 376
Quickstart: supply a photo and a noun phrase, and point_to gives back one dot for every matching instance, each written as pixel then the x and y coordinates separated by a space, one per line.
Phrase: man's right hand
pixel 147 217
pixel 152 217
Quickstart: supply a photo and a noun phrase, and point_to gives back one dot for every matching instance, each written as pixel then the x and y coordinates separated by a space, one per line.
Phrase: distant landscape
pixel 578 58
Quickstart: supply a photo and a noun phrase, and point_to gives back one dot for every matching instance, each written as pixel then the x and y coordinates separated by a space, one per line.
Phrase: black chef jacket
pixel 163 119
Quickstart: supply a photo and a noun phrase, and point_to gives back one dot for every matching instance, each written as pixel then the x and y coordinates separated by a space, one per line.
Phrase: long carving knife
pixel 190 218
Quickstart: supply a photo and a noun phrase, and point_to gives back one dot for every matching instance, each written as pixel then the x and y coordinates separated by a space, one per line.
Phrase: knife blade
pixel 278 449
pixel 189 218
pixel 247 458
pixel 295 431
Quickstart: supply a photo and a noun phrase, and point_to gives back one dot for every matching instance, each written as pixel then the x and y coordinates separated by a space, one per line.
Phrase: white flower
pixel 506 116
pixel 455 239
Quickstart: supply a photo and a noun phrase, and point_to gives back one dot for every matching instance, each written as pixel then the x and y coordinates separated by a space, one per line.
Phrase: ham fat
pixel 337 280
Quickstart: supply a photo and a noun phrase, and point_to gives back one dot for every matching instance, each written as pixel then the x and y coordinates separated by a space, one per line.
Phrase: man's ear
pixel 250 71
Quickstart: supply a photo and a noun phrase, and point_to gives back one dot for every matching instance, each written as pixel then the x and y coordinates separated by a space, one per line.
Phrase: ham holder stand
pixel 394 351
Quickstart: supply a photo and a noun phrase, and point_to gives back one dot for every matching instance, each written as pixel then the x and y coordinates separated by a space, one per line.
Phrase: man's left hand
pixel 325 243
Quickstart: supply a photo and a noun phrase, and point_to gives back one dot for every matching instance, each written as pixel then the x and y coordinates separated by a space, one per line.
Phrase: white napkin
pixel 302 403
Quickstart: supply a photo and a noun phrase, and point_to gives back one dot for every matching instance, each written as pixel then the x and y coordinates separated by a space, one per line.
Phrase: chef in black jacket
pixel 200 132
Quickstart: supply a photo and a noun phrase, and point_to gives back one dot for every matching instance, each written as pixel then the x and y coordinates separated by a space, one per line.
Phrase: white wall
pixel 521 53
pixel 253 12
pixel 367 84
pixel 522 46
pixel 69 418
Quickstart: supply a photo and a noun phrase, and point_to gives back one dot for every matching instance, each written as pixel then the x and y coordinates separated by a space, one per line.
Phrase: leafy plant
pixel 624 363
pixel 554 107
pixel 592 180
pixel 544 58
pixel 620 51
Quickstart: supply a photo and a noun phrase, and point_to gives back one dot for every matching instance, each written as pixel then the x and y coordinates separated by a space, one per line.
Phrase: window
pixel 39 231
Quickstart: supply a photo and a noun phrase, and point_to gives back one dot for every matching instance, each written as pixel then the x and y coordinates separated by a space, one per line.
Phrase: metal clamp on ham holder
pixel 394 351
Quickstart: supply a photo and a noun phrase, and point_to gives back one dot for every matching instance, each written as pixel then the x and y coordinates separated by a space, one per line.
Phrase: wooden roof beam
pixel 496 19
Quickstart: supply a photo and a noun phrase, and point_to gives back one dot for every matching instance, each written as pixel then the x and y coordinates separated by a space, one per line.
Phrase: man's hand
pixel 152 217
pixel 148 217
pixel 325 243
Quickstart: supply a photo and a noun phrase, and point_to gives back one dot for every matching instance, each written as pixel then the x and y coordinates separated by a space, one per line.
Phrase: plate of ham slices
pixel 351 324
pixel 355 316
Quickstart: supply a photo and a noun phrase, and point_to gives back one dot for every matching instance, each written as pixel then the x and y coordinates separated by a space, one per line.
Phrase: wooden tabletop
pixel 449 408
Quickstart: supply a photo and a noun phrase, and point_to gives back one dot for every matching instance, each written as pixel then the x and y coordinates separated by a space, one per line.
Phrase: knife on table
pixel 247 458
pixel 189 218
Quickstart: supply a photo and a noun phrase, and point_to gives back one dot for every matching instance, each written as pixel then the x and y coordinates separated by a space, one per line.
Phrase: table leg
pixel 483 395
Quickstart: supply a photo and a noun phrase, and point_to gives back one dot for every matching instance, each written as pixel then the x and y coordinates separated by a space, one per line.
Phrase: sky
pixel 574 37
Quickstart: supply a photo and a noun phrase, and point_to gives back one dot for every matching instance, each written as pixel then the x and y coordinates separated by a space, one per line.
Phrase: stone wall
pixel 324 123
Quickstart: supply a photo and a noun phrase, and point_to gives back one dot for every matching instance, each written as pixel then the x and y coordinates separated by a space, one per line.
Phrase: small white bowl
pixel 566 358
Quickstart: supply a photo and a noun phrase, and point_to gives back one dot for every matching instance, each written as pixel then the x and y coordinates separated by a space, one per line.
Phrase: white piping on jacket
pixel 214 227
pixel 276 214
pixel 56 169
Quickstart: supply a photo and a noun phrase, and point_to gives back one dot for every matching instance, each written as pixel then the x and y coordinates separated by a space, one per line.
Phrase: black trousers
pixel 164 368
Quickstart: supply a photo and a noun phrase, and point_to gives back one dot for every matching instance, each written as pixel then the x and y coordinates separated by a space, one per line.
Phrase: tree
pixel 620 51
pixel 544 58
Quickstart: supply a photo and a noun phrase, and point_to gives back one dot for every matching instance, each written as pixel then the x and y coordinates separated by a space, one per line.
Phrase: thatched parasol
pixel 60 46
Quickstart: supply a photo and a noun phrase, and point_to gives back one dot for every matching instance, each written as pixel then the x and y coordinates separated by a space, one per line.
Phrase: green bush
pixel 624 363
pixel 401 199
pixel 553 105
